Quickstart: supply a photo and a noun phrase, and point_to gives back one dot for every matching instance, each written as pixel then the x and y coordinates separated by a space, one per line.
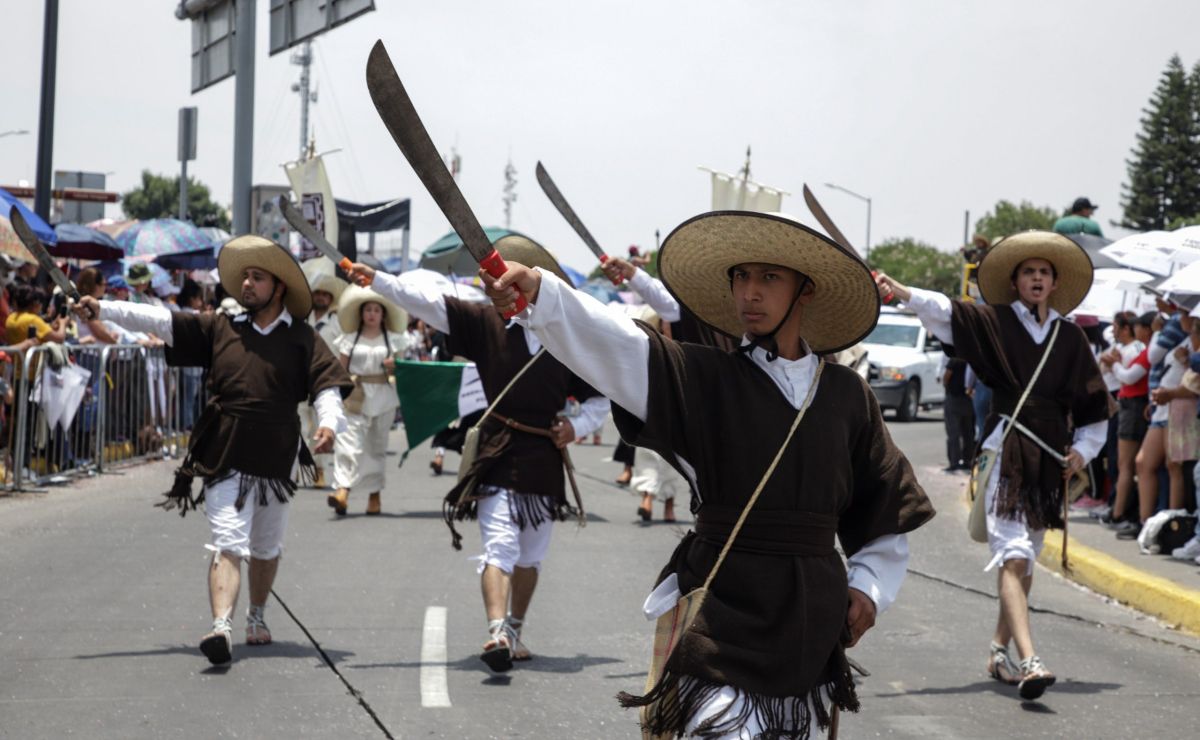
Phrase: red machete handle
pixel 615 281
pixel 494 264
pixel 346 264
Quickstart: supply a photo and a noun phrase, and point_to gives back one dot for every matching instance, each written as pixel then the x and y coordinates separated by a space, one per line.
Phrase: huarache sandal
pixel 497 652
pixel 1035 678
pixel 257 632
pixel 645 513
pixel 217 645
pixel 1001 667
pixel 374 507
pixel 520 653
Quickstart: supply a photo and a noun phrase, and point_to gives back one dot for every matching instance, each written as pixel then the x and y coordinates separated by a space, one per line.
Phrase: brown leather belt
pixel 566 457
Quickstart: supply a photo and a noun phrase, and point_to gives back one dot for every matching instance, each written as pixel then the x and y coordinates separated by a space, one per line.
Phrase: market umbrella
pixel 159 236
pixel 448 256
pixel 1150 252
pixel 10 244
pixel 577 277
pixel 1114 290
pixel 111 226
pixel 82 242
pixel 1185 280
pixel 1092 244
pixel 196 259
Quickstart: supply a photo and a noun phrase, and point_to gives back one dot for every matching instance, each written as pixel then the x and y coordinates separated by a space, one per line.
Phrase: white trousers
pixel 255 531
pixel 1009 539
pixel 505 545
pixel 727 701
pixel 359 453
pixel 657 478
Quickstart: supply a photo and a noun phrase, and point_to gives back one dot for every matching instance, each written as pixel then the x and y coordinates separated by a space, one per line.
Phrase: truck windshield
pixel 894 335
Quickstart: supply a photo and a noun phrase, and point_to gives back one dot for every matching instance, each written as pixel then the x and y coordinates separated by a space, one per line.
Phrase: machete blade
pixel 560 203
pixel 827 223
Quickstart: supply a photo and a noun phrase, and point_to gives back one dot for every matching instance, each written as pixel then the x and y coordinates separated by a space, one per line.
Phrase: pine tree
pixel 1164 171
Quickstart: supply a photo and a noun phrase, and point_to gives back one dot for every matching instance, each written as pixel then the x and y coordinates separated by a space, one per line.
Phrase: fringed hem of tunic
pixel 528 510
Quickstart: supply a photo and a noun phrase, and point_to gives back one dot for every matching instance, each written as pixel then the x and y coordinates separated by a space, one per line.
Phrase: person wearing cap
pixel 326 289
pixel 765 655
pixel 261 364
pixel 372 336
pixel 1079 220
pixel 1030 281
pixel 514 487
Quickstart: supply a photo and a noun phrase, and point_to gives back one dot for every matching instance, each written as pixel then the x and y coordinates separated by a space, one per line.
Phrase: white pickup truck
pixel 904 359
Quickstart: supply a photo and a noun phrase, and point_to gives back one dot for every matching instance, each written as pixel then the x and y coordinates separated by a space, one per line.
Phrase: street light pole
pixel 45 151
pixel 862 198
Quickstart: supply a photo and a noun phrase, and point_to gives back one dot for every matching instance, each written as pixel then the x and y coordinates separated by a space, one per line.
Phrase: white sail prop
pixel 738 193
pixel 314 195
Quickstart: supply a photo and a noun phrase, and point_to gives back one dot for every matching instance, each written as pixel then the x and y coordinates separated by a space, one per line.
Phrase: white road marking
pixel 434 690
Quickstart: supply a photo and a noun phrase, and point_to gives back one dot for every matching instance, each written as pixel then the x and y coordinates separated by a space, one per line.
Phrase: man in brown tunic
pixel 261 364
pixel 1030 281
pixel 765 655
pixel 515 487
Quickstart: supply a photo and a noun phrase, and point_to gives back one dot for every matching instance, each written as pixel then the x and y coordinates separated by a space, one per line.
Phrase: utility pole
pixel 45 151
pixel 243 115
pixel 510 192
pixel 304 58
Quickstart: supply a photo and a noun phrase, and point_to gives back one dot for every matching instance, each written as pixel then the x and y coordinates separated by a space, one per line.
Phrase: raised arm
pixel 420 292
pixel 931 307
pixel 598 343
pixel 651 289
pixel 138 317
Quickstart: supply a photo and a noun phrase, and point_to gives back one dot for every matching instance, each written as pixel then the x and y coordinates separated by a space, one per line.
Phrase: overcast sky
pixel 930 107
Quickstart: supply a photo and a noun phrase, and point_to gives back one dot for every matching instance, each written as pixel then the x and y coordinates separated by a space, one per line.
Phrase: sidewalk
pixel 1155 584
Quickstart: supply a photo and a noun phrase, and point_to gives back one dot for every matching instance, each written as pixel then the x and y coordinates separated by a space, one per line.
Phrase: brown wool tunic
pixel 773 622
pixel 256 382
pixel 521 462
pixel 1069 393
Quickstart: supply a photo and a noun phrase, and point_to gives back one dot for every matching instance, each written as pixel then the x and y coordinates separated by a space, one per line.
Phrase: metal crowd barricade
pixel 132 407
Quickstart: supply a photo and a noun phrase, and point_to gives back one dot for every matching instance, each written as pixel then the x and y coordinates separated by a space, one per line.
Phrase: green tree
pixel 1006 218
pixel 1164 169
pixel 919 264
pixel 158 197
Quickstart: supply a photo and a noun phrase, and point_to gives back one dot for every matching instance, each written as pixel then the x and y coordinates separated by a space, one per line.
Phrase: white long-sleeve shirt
pixel 656 295
pixel 423 294
pixel 608 350
pixel 156 320
pixel 934 310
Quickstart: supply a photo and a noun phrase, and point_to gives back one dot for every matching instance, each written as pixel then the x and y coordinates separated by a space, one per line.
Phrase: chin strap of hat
pixel 767 341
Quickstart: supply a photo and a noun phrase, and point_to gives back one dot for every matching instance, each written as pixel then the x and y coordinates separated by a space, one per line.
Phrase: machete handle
pixel 890 296
pixel 615 281
pixel 346 266
pixel 494 264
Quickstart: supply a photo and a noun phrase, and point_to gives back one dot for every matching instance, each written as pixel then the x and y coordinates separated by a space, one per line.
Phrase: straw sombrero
pixel 1072 264
pixel 255 251
pixel 522 249
pixel 349 310
pixel 695 259
pixel 321 276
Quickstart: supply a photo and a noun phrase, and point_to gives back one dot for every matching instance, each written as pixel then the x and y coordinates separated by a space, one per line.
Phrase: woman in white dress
pixel 373 336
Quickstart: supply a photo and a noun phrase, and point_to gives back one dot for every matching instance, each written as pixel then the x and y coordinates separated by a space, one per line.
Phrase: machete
pixel 400 116
pixel 560 203
pixel 832 229
pixel 34 245
pixel 318 240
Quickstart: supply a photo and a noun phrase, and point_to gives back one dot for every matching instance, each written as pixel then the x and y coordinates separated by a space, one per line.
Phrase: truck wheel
pixel 910 405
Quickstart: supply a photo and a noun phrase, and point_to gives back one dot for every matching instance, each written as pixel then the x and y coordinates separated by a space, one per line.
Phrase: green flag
pixel 428 394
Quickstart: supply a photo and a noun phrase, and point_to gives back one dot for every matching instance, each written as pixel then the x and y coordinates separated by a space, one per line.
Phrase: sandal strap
pixel 255 616
pixel 222 624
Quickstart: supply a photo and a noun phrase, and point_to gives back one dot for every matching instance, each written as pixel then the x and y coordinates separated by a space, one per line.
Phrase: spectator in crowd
pixel 1132 423
pixel 190 300
pixel 1165 373
pixel 91 282
pixel 140 281
pixel 1183 426
pixel 958 413
pixel 1079 220
pixel 26 322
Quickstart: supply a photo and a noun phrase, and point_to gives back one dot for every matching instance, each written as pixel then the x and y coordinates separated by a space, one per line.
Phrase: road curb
pixel 1105 574
pixel 1102 573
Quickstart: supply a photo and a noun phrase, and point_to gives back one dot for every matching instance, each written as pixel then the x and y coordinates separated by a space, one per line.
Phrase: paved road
pixel 103 600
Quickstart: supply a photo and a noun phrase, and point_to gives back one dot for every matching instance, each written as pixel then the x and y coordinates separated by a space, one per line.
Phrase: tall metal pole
pixel 45 155
pixel 868 229
pixel 243 116
pixel 304 59
pixel 966 227
pixel 183 191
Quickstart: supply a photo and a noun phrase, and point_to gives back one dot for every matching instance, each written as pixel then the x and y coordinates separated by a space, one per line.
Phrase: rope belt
pixel 377 378
pixel 566 457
